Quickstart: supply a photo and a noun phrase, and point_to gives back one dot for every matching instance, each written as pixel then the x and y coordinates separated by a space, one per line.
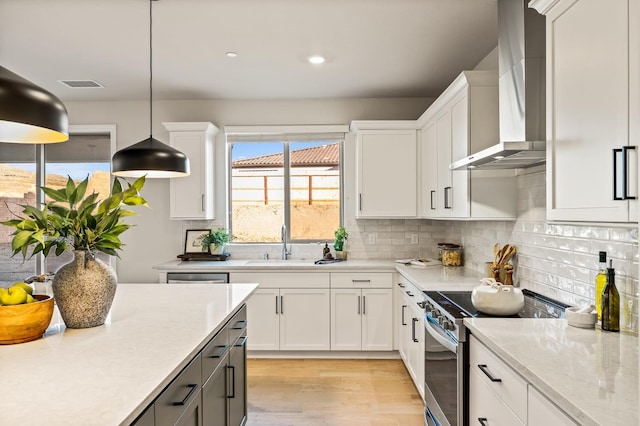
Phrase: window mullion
pixel 40 197
pixel 286 165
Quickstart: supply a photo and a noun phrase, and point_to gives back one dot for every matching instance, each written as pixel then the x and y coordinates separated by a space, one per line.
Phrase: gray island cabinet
pixel 167 354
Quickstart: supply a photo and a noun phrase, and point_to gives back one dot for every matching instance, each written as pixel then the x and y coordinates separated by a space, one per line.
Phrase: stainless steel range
pixel 447 355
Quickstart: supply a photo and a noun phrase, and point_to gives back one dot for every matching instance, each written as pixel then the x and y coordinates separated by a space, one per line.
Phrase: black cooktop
pixel 458 304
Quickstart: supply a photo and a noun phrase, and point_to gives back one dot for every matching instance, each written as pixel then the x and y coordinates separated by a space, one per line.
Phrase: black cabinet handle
pixel 413 329
pixel 360 201
pixel 240 325
pixel 233 381
pixel 282 304
pixel 401 285
pixel 483 368
pixel 193 387
pixel 433 193
pixel 403 308
pixel 358 305
pixel 447 189
pixel 244 340
pixel 483 421
pixel 625 177
pixel 219 354
pixel 276 305
pixel 409 293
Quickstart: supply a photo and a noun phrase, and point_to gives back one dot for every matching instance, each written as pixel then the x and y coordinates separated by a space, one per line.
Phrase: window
pixel 292 179
pixel 87 152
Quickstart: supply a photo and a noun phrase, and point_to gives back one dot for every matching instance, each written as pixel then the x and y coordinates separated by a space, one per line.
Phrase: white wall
pixel 156 239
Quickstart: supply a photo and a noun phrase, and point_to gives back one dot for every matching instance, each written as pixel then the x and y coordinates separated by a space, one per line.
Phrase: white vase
pixel 217 249
pixel 84 290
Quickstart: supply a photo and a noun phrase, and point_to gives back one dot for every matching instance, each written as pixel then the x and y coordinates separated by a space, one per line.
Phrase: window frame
pixel 260 132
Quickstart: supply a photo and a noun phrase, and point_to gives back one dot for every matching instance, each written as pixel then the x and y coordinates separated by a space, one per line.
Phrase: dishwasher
pixel 197 277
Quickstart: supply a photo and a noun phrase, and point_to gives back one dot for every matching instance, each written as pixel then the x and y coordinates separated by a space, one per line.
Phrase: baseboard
pixel 325 354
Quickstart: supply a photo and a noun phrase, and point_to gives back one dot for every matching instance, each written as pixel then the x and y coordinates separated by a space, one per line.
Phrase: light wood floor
pixel 293 392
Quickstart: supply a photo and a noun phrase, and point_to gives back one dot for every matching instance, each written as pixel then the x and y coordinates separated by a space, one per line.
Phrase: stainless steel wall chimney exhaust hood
pixel 521 88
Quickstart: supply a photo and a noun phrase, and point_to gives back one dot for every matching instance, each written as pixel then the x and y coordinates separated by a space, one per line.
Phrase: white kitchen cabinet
pixel 593 79
pixel 411 331
pixel 386 169
pixel 462 121
pixel 290 311
pixel 543 412
pixel 192 197
pixel 500 396
pixel 361 311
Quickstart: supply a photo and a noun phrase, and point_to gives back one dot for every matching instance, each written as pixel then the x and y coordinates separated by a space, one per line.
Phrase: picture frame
pixel 192 240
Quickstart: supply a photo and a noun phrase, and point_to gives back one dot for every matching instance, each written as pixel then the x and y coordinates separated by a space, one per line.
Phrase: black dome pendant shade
pixel 28 113
pixel 150 157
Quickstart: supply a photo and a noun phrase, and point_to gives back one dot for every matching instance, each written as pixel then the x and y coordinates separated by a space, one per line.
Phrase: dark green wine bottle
pixel 610 302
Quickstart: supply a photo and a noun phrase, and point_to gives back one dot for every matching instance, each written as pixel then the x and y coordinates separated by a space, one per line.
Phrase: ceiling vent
pixel 81 84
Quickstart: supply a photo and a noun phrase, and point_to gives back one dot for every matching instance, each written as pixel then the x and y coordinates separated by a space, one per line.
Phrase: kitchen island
pixel 108 375
pixel 590 374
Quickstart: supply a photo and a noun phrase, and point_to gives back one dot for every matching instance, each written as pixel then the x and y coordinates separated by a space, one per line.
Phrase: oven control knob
pixel 448 325
pixel 421 304
pixel 441 320
pixel 428 306
pixel 434 313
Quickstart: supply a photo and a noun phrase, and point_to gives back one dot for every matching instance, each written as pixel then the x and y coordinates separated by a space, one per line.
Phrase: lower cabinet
pixel 289 311
pixel 410 331
pixel 361 311
pixel 498 395
pixel 212 389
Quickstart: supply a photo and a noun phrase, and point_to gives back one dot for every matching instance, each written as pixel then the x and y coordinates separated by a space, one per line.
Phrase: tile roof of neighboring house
pixel 324 155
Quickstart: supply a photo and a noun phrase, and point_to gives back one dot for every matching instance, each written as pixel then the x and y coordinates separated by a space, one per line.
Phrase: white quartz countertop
pixel 441 277
pixel 591 374
pixel 275 264
pixel 108 375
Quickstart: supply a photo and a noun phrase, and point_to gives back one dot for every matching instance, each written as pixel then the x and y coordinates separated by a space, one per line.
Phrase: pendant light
pixel 28 113
pixel 150 157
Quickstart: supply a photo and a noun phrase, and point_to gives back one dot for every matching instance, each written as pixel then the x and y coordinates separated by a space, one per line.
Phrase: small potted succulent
pixel 215 241
pixel 339 244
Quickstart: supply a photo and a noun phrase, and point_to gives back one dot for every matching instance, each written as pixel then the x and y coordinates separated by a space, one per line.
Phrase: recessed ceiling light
pixel 231 54
pixel 316 59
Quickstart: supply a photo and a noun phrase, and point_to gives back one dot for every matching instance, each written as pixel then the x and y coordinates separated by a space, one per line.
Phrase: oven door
pixel 443 376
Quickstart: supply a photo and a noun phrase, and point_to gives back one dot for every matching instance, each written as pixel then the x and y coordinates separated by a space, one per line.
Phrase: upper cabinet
pixel 593 92
pixel 463 120
pixel 192 197
pixel 386 169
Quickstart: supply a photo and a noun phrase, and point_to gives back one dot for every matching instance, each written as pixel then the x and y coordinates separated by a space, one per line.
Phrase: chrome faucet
pixel 283 234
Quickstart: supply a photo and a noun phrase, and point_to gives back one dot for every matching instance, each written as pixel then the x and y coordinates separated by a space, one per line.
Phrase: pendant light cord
pixel 151 69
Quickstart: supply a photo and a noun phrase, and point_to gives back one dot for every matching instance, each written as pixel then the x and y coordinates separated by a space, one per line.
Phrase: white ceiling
pixel 374 48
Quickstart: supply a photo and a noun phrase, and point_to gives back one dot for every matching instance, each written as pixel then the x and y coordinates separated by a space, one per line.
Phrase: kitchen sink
pixel 280 263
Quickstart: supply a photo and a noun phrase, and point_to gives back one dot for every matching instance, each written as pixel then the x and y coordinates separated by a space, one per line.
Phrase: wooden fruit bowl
pixel 26 322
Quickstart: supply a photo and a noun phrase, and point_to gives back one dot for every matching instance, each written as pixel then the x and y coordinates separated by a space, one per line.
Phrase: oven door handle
pixel 440 335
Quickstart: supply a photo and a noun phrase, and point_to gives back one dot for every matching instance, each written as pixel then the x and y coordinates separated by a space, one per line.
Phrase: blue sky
pixel 257 149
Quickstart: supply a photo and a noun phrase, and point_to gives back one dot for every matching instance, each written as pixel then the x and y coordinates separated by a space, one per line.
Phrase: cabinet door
pixel 214 396
pixel 238 382
pixel 305 320
pixel 346 310
pixel 429 190
pixel 263 309
pixel 543 412
pixel 377 319
pixel 444 193
pixel 387 174
pixel 192 196
pixel 588 111
pixel 416 345
pixel 485 407
pixel 404 322
pixel 192 415
pixel 460 203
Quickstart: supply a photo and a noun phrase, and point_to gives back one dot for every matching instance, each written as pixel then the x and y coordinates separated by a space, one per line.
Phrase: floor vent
pixel 81 84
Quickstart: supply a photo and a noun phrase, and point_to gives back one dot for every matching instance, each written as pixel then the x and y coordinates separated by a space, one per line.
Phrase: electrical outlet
pixel 414 238
pixel 372 238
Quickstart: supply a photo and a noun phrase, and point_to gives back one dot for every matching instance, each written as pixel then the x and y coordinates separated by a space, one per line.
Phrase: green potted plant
pixel 215 241
pixel 83 288
pixel 339 244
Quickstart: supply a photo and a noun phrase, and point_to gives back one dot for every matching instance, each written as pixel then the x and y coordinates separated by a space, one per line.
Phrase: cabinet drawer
pixel 283 279
pixel 213 353
pixel 237 325
pixel 173 401
pixel 361 280
pixel 506 383
pixel 485 407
